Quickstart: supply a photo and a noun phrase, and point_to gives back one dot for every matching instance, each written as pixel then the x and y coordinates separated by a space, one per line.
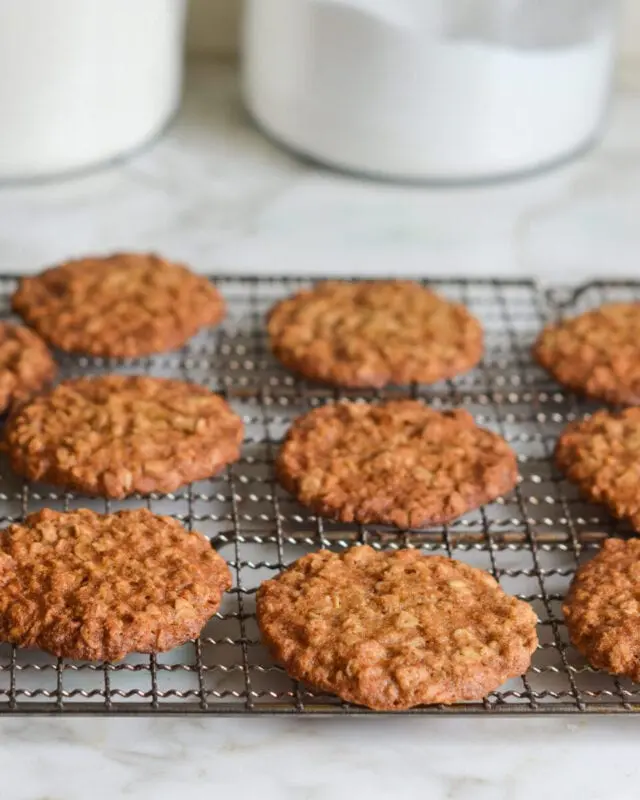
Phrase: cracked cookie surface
pixel 602 456
pixel 373 333
pixel 596 353
pixel 602 609
pixel 392 630
pixel 123 305
pixel 399 463
pixel 99 586
pixel 26 365
pixel 115 435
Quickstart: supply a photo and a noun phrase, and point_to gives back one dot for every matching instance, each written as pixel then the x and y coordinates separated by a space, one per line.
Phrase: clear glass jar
pixel 444 90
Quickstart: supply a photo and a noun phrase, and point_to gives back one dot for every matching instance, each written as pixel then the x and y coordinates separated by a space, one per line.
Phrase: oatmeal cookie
pixel 392 630
pixel 97 587
pixel 399 463
pixel 602 609
pixel 123 305
pixel 602 456
pixel 373 333
pixel 119 434
pixel 596 353
pixel 26 365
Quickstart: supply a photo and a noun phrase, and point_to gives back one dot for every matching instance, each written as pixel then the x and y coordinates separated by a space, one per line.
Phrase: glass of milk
pixel 439 90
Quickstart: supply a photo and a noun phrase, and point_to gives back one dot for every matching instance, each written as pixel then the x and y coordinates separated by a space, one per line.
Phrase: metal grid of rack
pixel 531 540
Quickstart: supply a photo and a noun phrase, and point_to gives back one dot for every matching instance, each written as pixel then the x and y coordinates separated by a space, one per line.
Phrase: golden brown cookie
pixel 596 353
pixel 121 305
pixel 97 587
pixel 602 455
pixel 26 364
pixel 602 609
pixel 392 630
pixel 119 434
pixel 399 463
pixel 373 333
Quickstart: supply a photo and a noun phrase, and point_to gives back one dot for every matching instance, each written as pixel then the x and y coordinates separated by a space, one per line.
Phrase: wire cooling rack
pixel 531 540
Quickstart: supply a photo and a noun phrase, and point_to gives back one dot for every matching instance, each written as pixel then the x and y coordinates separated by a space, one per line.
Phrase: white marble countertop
pixel 320 759
pixel 216 194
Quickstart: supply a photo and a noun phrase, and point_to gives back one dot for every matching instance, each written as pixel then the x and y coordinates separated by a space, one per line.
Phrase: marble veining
pixel 292 759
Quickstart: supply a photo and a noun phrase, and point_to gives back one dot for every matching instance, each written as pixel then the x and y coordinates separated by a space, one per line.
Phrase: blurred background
pixel 121 149
pixel 214 27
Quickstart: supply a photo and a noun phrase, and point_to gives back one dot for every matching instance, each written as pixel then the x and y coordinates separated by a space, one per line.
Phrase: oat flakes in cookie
pixel 602 456
pixel 596 353
pixel 123 305
pixel 26 365
pixel 97 587
pixel 602 609
pixel 392 630
pixel 399 463
pixel 115 435
pixel 374 333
